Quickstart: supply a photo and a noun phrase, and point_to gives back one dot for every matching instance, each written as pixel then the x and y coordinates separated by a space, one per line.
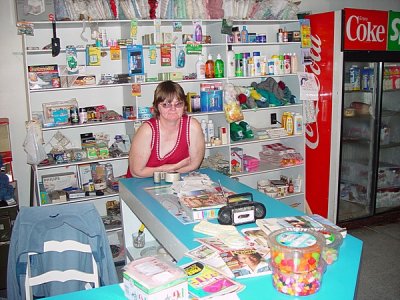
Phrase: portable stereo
pixel 241 209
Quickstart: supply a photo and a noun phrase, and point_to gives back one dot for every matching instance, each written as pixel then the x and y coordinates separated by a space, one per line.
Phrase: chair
pixel 58 249
pixel 57 275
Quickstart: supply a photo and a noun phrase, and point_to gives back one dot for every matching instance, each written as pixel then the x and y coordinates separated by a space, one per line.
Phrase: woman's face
pixel 171 110
pixel 244 259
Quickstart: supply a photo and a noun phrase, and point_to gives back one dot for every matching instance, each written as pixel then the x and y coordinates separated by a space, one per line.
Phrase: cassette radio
pixel 241 209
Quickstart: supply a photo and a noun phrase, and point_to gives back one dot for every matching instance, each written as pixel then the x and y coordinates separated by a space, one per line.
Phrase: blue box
pixel 211 100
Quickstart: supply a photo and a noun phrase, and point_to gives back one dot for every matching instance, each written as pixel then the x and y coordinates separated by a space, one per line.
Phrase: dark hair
pixel 167 91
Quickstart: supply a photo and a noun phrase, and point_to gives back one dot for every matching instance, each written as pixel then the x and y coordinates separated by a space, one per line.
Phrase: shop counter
pixel 339 280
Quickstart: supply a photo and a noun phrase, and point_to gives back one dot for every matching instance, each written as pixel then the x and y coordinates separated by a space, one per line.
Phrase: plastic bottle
pixel 181 59
pixel 293 63
pixel 297 184
pixel 279 36
pixel 283 119
pixel 245 64
pixel 238 65
pixel 200 68
pixel 209 67
pixel 204 129
pixel 275 58
pixel 281 65
pixel 198 33
pixel 257 63
pixel 289 123
pixel 263 67
pixel 104 38
pixel 210 130
pixel 219 67
pixel 286 63
pixel 244 35
pixel 298 124
pixel 230 66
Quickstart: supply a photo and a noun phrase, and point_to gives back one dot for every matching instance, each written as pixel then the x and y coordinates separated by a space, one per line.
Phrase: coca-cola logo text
pixel 311 129
pixel 358 28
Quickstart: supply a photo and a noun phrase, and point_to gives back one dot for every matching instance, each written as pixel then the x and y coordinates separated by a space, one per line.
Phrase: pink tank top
pixel 178 153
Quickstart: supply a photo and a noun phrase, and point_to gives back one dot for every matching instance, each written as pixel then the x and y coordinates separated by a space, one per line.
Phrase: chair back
pixel 61 275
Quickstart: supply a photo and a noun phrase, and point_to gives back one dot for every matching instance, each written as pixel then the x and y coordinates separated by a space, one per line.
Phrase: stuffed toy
pixel 6 189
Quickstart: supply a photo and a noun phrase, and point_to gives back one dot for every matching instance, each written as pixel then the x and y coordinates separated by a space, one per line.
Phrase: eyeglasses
pixel 168 105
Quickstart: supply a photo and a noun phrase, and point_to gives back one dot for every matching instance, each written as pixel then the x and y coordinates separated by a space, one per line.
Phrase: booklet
pixel 314 222
pixel 246 262
pixel 206 282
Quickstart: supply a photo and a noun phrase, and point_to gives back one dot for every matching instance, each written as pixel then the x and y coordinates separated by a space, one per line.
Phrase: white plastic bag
pixel 33 144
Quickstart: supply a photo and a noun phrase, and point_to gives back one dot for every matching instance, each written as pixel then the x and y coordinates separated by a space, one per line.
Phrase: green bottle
pixel 219 67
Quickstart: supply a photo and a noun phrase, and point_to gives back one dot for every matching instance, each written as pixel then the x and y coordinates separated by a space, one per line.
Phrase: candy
pixel 298 284
pixel 330 252
pixel 295 250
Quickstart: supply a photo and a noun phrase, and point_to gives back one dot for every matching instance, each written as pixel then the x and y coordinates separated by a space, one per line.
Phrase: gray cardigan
pixel 35 225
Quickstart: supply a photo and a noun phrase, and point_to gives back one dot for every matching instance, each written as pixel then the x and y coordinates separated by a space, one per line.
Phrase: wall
pixel 12 86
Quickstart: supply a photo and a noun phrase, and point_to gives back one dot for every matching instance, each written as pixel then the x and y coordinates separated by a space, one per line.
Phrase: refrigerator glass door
pixel 356 199
pixel 388 181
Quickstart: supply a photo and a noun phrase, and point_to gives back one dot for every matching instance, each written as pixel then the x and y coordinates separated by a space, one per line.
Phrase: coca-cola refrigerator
pixel 352 149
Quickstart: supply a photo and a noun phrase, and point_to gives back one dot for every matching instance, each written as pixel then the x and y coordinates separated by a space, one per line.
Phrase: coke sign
pixel 318 134
pixel 365 29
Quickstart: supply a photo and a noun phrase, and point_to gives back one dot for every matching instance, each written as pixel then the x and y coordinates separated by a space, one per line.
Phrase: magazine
pixel 209 256
pixel 257 239
pixel 246 262
pixel 205 282
pixel 214 243
pixel 315 222
pixel 200 205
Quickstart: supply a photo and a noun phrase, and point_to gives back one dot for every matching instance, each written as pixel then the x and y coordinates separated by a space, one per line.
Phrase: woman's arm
pixel 196 149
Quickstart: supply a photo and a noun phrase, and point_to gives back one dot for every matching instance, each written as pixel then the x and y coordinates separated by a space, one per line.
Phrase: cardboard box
pixel 151 278
pixel 60 181
pixel 43 77
pixel 236 159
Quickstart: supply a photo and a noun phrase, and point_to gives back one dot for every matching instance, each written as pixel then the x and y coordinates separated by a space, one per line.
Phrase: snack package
pixel 233 111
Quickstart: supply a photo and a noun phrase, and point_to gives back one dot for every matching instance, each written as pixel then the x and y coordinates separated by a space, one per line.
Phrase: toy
pixel 6 189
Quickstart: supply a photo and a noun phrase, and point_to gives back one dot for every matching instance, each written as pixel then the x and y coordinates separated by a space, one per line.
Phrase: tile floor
pixel 379 276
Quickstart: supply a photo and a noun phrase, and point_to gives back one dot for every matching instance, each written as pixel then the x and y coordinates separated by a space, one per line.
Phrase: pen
pixel 222 190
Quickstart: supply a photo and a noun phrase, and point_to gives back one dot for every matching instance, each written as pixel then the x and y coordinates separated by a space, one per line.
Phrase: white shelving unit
pixel 117 95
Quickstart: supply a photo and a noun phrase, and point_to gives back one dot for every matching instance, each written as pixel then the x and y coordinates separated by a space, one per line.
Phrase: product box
pixel 60 181
pixel 211 100
pixel 151 278
pixel 236 159
pixel 43 77
pixel 85 177
pixel 135 59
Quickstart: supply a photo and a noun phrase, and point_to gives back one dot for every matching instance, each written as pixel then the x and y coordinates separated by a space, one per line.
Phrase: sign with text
pixel 318 134
pixel 365 29
pixel 394 31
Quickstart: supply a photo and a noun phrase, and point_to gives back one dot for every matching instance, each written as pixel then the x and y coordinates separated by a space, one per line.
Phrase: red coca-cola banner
pixel 365 29
pixel 318 134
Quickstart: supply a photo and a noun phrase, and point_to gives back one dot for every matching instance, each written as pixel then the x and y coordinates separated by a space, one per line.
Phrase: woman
pixel 171 141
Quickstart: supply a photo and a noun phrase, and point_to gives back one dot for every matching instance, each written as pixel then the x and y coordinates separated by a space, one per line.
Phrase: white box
pixel 151 278
pixel 60 181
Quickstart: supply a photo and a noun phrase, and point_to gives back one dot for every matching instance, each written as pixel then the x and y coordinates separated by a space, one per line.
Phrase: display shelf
pixel 264 168
pixel 84 199
pixel 89 124
pixel 289 196
pixel 82 162
pixel 254 141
